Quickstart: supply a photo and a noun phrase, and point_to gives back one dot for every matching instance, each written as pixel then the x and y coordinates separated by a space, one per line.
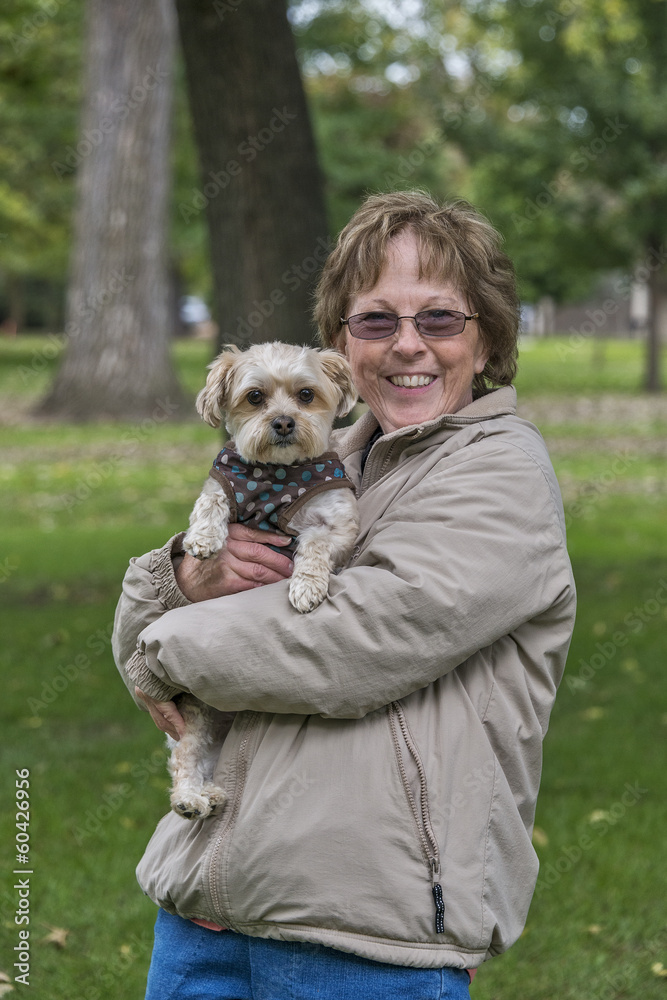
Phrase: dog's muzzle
pixel 283 427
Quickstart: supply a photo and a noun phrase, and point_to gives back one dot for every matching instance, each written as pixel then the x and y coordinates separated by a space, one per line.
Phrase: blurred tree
pixel 260 184
pixel 117 362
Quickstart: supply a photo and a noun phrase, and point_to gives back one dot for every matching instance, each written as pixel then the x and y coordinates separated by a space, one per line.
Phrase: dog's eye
pixel 255 397
pixel 306 395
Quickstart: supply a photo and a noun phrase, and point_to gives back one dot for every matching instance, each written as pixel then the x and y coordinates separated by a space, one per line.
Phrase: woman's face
pixel 448 364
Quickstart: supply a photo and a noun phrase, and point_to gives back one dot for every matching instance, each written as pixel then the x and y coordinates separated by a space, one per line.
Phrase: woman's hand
pixel 164 714
pixel 245 562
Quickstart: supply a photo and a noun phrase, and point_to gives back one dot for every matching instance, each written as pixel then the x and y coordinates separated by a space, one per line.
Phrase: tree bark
pixel 260 182
pixel 16 301
pixel 117 363
pixel 657 329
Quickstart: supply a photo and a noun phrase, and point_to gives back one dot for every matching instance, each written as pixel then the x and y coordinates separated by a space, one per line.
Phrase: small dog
pixel 280 402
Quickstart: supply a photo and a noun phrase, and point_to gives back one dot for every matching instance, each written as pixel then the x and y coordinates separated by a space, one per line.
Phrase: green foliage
pixel 566 143
pixel 361 68
pixel 40 67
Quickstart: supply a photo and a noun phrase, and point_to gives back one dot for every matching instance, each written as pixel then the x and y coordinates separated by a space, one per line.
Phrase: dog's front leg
pixel 208 521
pixel 328 526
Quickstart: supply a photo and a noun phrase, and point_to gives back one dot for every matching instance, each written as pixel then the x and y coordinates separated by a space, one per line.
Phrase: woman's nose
pixel 408 340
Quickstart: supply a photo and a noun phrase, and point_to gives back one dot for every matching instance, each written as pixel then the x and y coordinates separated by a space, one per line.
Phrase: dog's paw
pixel 217 798
pixel 307 592
pixel 200 546
pixel 191 806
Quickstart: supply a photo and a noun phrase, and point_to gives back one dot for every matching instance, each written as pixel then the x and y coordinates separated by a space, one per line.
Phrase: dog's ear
pixel 337 369
pixel 212 399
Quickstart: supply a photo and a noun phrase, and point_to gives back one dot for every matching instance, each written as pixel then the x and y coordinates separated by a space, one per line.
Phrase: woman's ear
pixel 212 400
pixel 482 353
pixel 337 370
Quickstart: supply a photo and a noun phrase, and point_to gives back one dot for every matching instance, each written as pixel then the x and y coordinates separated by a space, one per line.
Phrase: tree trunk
pixel 657 329
pixel 260 183
pixel 16 301
pixel 117 363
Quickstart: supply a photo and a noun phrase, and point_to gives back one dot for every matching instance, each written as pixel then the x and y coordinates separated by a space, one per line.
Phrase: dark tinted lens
pixel 440 322
pixel 372 326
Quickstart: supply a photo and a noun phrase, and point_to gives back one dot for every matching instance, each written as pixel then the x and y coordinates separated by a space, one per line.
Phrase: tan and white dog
pixel 279 402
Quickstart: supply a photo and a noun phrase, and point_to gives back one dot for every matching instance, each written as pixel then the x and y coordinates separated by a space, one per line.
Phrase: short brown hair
pixel 456 242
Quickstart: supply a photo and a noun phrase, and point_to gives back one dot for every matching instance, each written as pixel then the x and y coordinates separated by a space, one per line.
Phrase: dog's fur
pixel 261 392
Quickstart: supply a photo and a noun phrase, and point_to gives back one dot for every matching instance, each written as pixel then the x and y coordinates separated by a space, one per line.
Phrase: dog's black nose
pixel 283 425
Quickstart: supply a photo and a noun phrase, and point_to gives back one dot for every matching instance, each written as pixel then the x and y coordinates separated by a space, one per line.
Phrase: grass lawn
pixel 80 501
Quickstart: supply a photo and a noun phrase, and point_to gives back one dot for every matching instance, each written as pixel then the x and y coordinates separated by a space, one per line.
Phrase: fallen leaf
pixel 659 970
pixel 599 628
pixel 592 713
pixel 58 936
pixel 540 837
pixel 599 816
pixel 594 929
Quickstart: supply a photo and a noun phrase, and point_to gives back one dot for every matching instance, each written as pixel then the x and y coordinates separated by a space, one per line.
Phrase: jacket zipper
pixel 365 479
pixel 241 772
pixel 429 844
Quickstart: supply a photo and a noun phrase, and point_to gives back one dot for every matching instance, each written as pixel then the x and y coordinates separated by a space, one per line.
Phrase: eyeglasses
pixel 430 323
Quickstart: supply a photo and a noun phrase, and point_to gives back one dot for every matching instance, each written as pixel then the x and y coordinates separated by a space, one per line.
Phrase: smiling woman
pixel 377 839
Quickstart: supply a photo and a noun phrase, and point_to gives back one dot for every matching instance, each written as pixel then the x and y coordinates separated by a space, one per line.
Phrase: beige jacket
pixel 390 740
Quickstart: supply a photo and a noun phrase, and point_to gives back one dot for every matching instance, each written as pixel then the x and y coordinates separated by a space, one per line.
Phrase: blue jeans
pixel 192 963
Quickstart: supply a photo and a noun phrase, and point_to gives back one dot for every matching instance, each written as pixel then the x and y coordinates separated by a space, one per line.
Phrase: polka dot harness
pixel 268 496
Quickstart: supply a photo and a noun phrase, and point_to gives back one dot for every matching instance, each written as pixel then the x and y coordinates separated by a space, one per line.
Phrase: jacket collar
pixel 499 402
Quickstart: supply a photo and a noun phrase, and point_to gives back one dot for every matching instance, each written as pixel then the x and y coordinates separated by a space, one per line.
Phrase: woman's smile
pixel 412 381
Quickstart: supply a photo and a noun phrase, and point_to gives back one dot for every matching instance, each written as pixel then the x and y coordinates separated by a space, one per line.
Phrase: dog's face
pixel 279 400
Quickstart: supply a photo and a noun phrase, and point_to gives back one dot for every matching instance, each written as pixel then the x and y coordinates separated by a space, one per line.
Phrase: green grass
pixel 573 366
pixel 80 501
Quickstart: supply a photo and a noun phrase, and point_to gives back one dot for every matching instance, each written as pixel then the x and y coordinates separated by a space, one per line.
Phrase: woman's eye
pixel 255 397
pixel 306 395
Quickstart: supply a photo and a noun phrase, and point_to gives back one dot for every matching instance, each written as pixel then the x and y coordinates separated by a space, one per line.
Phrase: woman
pixel 384 765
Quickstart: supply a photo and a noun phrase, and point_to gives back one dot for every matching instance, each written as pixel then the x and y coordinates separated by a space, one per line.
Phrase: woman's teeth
pixel 410 381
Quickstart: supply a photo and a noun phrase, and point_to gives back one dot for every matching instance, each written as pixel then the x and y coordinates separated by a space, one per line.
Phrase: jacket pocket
pixel 407 754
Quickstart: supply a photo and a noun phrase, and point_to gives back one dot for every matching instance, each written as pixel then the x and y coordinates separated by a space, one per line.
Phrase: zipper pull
pixel 437 897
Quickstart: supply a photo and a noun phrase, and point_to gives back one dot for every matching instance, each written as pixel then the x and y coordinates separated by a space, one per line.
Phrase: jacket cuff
pixel 144 678
pixel 161 568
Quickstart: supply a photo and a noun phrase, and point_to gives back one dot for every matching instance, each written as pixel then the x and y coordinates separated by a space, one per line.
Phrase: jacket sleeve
pixel 478 550
pixel 149 591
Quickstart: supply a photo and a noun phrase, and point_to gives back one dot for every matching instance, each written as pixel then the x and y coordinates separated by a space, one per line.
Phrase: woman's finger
pixel 243 533
pixel 256 574
pixel 247 558
pixel 164 714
